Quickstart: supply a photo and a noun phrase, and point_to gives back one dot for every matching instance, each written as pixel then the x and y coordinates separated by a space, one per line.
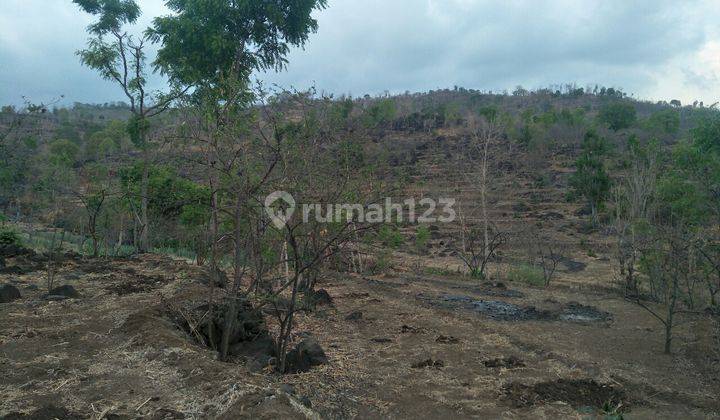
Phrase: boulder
pixel 304 356
pixel 354 316
pixel 8 293
pixel 321 297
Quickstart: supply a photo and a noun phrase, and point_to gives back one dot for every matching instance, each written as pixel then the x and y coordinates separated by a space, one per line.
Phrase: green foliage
pixel 590 179
pixel 63 153
pixel 137 126
pixel 112 13
pixel 618 115
pixel 390 236
pixel 170 196
pixel 9 237
pixel 422 236
pixel 383 262
pixel 526 135
pixel 528 274
pixel 706 135
pixel 381 112
pixel 111 139
pixel 666 121
pixel 490 113
pixel 204 41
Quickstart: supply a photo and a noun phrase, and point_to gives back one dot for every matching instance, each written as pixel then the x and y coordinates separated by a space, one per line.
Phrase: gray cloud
pixel 372 46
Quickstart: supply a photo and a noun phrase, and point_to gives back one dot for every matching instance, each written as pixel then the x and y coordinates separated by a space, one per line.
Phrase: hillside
pixel 398 319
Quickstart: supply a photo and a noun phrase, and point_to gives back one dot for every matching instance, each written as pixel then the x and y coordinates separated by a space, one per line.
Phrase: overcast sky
pixel 653 49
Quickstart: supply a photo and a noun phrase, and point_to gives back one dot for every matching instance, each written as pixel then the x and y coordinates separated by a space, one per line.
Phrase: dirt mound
pixel 579 393
pixel 153 328
pixel 14 250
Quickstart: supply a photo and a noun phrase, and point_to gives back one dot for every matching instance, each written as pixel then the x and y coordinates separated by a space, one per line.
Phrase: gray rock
pixel 304 356
pixel 8 293
pixel 354 316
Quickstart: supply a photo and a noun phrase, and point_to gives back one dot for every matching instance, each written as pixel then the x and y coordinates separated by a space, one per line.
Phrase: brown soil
pixel 114 353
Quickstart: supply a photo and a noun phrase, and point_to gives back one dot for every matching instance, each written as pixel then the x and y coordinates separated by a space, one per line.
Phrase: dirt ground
pixel 424 346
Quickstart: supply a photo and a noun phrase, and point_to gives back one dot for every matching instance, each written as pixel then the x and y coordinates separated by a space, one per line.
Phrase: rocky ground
pixel 402 345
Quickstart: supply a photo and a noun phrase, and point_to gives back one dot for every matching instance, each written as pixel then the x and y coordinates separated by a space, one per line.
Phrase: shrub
pixel 390 237
pixel 528 274
pixel 422 236
pixel 9 237
pixel 618 115
pixel 666 121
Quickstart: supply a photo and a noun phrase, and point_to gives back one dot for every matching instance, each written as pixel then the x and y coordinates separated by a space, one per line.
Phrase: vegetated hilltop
pixel 422 141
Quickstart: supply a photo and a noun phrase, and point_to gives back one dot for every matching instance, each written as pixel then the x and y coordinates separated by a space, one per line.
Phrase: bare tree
pixel 632 198
pixel 479 244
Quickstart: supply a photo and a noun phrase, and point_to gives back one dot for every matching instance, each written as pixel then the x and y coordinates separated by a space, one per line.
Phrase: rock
pixel 261 348
pixel 8 293
pixel 31 287
pixel 14 250
pixel 304 356
pixel 221 279
pixel 304 400
pixel 447 339
pixel 288 389
pixel 354 316
pixel 428 363
pixel 321 297
pixel 504 362
pixel 409 329
pixel 552 215
pixel 65 290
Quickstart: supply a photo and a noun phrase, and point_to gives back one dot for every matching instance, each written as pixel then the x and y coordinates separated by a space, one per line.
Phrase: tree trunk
pixel 483 201
pixel 144 226
pixel 213 258
pixel 232 309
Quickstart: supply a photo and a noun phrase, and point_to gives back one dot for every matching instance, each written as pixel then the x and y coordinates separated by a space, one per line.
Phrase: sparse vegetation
pixel 238 252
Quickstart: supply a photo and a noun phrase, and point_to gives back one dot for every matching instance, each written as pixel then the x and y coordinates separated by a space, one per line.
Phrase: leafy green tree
pixel 214 46
pixel 590 178
pixel 618 115
pixel 121 58
pixel 204 41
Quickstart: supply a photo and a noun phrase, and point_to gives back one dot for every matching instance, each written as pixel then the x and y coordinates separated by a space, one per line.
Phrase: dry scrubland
pixel 416 336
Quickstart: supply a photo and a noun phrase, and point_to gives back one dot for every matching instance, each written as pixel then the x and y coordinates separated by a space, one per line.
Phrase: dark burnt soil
pixel 579 393
pixel 505 311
